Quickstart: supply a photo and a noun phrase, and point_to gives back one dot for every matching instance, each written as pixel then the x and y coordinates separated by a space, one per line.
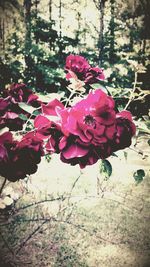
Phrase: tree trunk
pixel 36 15
pixel 50 19
pixel 101 33
pixel 112 33
pixel 2 28
pixel 28 42
pixel 60 28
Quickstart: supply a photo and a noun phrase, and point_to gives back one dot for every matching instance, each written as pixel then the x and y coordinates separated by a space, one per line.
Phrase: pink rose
pixel 92 119
pixel 77 64
pixel 89 127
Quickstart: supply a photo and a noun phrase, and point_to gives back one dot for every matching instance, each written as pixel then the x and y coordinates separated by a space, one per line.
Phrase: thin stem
pixel 3 184
pixel 133 91
pixel 29 237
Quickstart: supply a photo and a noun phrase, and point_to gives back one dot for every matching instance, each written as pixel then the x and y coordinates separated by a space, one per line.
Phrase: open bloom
pixel 78 65
pixel 87 131
pixel 89 126
pixel 9 107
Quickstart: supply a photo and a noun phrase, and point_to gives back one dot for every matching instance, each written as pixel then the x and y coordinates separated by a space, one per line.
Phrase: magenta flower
pixel 78 68
pixel 19 158
pixel 77 64
pixel 9 108
pixel 125 130
pixel 20 93
pixel 89 127
pixel 9 115
pixel 86 132
pixel 92 119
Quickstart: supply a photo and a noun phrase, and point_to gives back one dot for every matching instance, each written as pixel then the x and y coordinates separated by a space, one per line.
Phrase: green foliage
pixel 23 117
pixel 26 107
pixel 105 168
pixel 139 175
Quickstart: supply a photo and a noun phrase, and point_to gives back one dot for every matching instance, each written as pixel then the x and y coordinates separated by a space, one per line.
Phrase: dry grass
pixel 59 223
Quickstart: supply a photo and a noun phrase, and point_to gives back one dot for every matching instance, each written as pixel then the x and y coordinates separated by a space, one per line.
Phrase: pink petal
pixel 41 121
pixel 74 151
pixel 10 115
pixel 50 108
pixel 124 114
pixel 62 142
pixel 31 98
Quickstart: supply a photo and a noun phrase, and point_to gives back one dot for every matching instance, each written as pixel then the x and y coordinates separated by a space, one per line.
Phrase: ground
pixel 65 217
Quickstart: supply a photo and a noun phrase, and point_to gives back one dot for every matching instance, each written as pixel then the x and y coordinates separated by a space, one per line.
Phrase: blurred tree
pixel 28 40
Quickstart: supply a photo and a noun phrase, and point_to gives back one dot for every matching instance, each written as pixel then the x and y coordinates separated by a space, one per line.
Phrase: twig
pixel 4 240
pixel 74 184
pixel 78 226
pixel 30 236
pixel 41 201
pixel 133 91
pixel 3 184
pixel 137 151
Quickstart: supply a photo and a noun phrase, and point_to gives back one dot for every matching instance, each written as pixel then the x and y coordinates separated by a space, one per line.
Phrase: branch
pixel 3 184
pixel 133 91
pixel 78 226
pixel 30 236
pixel 5 242
pixel 41 201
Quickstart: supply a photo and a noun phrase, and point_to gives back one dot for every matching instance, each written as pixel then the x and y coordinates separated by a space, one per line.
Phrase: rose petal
pixel 50 108
pixel 41 121
pixel 74 151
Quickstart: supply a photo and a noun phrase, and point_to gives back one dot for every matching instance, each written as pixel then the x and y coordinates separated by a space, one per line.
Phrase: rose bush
pixel 82 133
pixel 88 131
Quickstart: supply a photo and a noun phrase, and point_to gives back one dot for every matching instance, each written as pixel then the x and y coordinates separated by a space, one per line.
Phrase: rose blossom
pixel 77 64
pixel 20 93
pixel 89 127
pixel 19 158
pixel 87 131
pixel 125 130
pixel 78 68
pixel 9 115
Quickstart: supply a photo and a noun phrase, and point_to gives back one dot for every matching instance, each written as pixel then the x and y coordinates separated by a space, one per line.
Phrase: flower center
pixel 89 120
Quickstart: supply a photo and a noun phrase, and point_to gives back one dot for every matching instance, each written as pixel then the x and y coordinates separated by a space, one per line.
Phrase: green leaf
pixel 114 155
pixel 48 158
pixel 26 107
pixel 139 175
pixel 106 168
pixel 23 117
pixel 36 112
pixel 125 155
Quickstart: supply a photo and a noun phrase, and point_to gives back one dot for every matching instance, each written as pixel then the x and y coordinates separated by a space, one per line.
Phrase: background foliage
pixel 36 36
